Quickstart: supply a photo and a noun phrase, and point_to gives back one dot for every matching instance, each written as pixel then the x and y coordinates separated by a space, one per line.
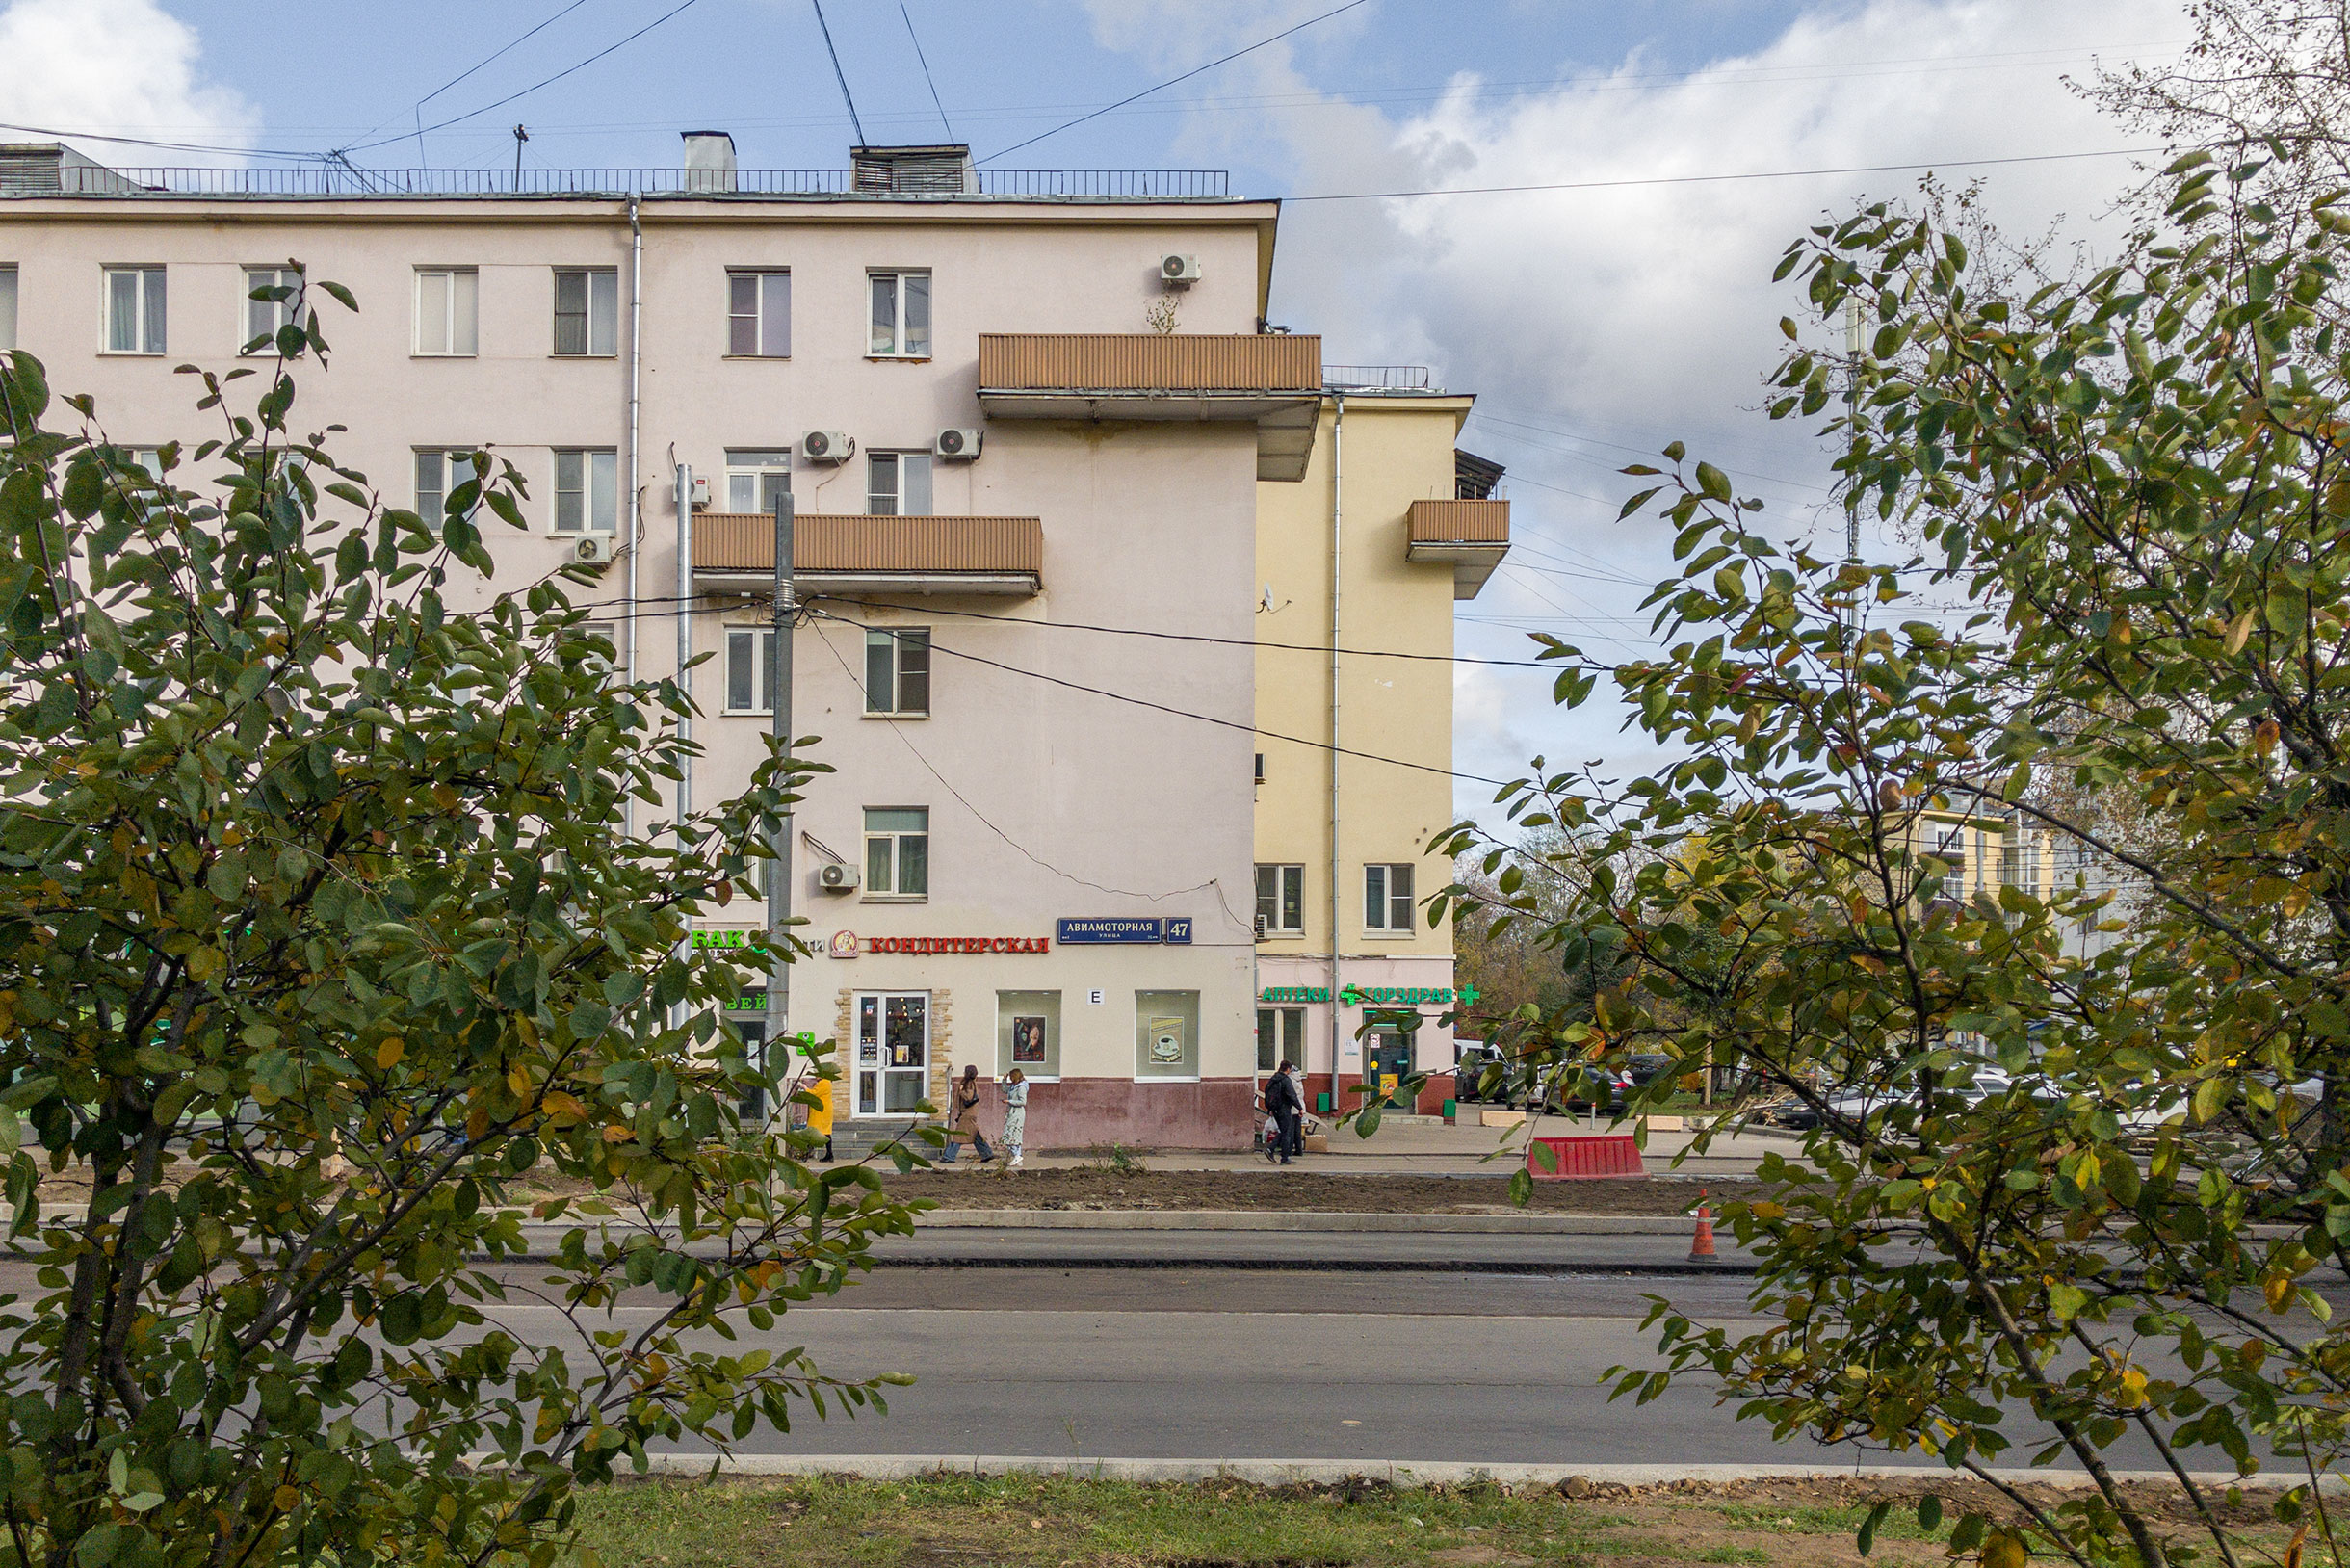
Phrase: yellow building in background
pixel 1363 561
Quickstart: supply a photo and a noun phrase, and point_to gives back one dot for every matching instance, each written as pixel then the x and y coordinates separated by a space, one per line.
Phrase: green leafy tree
pixel 318 936
pixel 2057 1202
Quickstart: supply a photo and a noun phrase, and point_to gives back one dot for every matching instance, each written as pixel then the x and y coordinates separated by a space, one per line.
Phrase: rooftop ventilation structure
pixel 51 167
pixel 710 162
pixel 942 169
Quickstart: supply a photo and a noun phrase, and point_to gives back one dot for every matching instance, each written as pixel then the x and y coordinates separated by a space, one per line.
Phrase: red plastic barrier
pixel 1587 1159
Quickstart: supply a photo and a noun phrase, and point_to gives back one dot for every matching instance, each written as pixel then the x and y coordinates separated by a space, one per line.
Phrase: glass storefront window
pixel 1167 1033
pixel 1281 1037
pixel 893 1053
pixel 1028 1032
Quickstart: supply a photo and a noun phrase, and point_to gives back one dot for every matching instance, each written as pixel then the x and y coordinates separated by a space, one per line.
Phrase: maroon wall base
pixel 1431 1102
pixel 1080 1112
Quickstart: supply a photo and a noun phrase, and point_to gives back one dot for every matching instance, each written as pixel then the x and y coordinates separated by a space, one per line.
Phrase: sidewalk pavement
pixel 1419 1148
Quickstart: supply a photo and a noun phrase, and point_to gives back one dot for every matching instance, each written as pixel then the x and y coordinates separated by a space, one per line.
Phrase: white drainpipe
pixel 1338 489
pixel 636 501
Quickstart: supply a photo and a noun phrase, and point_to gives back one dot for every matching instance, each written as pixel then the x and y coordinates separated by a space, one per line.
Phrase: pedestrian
pixel 963 1116
pixel 819 1114
pixel 1015 1117
pixel 1288 1108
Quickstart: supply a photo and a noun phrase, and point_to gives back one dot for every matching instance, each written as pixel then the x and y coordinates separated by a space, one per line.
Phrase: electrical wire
pixel 417 108
pixel 1171 81
pixel 943 122
pixel 839 75
pixel 549 81
pixel 1714 179
pixel 145 142
pixel 1223 641
pixel 1183 712
pixel 898 730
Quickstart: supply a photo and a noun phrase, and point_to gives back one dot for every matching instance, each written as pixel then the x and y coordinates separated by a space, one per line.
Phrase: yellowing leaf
pixel 287 1499
pixel 2278 1288
pixel 389 1052
pixel 444 796
pixel 2240 629
pixel 2003 1550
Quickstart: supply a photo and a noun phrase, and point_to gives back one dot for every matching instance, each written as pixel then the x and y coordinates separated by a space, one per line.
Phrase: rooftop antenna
pixel 520 136
pixel 838 72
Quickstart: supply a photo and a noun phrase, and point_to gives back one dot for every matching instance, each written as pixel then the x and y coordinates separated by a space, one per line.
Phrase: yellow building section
pixel 1976 846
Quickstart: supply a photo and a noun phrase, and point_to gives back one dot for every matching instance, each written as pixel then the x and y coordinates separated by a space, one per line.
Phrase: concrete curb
pixel 1545 1268
pixel 1320 1222
pixel 1396 1472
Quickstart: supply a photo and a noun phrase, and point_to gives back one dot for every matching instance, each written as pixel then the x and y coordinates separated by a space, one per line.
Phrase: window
pixel 447 302
pixel 264 317
pixel 1281 898
pixel 897 484
pixel 1281 1037
pixel 440 470
pixel 587 311
pixel 587 490
pixel 1028 1032
pixel 1167 1033
pixel 898 852
pixel 8 308
pixel 134 311
pixel 898 671
pixel 1387 899
pixel 750 670
pixel 901 314
pixel 1260 766
pixel 598 658
pixel 758 315
pixel 757 478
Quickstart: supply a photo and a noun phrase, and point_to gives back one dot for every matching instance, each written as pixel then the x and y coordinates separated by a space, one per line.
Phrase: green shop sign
pixel 729 938
pixel 1356 996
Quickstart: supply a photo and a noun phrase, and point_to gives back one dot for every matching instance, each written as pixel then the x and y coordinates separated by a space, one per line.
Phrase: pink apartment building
pixel 966 381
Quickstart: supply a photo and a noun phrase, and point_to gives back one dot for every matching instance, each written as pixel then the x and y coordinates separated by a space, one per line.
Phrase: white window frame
pixel 893 644
pixel 887 294
pixel 1288 1028
pixel 757 646
pixel 9 285
pixel 438 512
pixel 1379 883
pixel 902 468
pixel 895 838
pixel 461 307
pixel 610 632
pixel 276 313
pixel 599 313
pixel 598 491
pixel 748 483
pixel 770 315
pixel 1272 889
pixel 151 307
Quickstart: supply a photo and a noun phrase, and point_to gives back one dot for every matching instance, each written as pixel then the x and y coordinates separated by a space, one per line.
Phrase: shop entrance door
pixel 1386 1061
pixel 893 1053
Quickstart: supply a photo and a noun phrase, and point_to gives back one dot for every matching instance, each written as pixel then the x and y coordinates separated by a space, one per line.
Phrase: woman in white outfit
pixel 1015 1116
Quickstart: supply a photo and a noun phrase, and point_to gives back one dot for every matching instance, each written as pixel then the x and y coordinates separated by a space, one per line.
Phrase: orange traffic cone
pixel 1701 1245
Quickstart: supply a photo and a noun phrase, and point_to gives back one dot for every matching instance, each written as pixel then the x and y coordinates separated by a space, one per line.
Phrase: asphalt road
pixel 1086 1362
pixel 1447 1252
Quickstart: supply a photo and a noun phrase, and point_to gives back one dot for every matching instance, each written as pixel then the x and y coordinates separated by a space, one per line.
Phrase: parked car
pixel 1467 1077
pixel 1855 1104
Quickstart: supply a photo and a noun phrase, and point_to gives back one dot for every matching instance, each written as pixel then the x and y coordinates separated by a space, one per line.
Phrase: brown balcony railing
pixel 1460 522
pixel 824 543
pixel 1074 362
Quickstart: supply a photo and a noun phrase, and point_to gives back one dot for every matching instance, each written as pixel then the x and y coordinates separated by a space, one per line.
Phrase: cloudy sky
pixel 1595 323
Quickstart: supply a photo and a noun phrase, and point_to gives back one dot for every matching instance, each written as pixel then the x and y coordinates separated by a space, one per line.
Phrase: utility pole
pixel 779 870
pixel 520 136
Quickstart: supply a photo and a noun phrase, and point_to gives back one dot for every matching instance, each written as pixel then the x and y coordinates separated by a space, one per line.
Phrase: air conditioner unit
pixel 828 446
pixel 1263 927
pixel 962 444
pixel 1184 270
pixel 701 493
pixel 837 877
pixel 592 547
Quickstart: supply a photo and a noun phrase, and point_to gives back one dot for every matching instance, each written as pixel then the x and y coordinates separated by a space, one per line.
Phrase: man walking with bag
pixel 1288 1108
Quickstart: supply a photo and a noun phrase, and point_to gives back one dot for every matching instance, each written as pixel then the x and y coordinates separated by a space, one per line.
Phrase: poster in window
pixel 1028 1043
pixel 1167 1040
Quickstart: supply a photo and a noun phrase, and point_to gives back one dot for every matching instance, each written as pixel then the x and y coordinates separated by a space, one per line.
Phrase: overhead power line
pixel 543 82
pixel 1715 179
pixel 925 60
pixel 1224 641
pixel 839 74
pixel 1181 713
pixel 1171 81
pixel 148 142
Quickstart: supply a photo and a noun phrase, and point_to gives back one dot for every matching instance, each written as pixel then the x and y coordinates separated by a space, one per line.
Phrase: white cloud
pixel 1640 314
pixel 125 68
